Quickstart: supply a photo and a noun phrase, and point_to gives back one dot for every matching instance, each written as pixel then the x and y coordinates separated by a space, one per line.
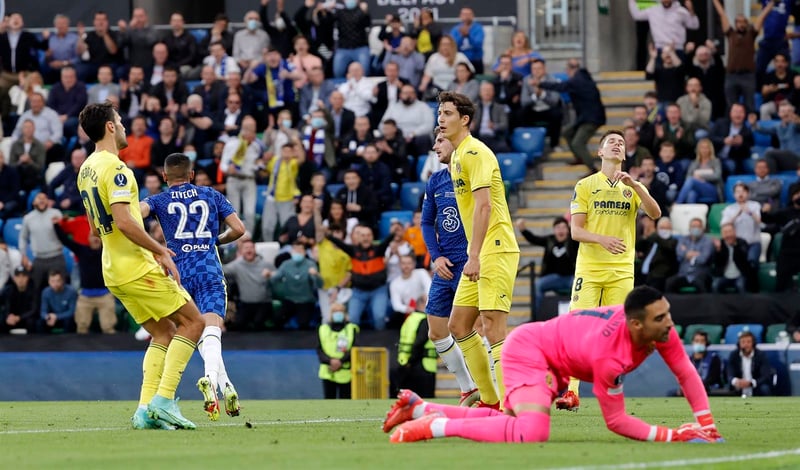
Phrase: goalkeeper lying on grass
pixel 598 346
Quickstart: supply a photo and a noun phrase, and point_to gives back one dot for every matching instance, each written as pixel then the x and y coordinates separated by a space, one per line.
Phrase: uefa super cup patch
pixel 120 180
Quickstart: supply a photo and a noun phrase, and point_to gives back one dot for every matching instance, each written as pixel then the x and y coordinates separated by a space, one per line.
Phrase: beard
pixel 121 141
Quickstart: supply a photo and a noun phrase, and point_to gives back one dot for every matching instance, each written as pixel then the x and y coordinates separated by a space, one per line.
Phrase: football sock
pixel 478 364
pixel 454 361
pixel 574 385
pixel 527 427
pixel 152 368
pixel 178 354
pixel 497 349
pixel 210 349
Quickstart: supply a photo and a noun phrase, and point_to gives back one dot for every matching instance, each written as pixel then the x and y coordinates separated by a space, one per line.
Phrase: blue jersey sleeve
pixel 429 222
pixel 224 206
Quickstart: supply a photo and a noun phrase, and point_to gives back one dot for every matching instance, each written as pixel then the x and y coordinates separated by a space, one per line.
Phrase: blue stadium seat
pixel 762 139
pixel 204 162
pixel 733 331
pixel 11 230
pixel 404 217
pixel 261 198
pixel 530 141
pixel 562 77
pixel 512 167
pixel 191 84
pixel 421 163
pixel 731 182
pixel 434 105
pixel 31 196
pixel 788 180
pixel 199 34
pixel 334 188
pixel 336 81
pixel 70 259
pixel 411 195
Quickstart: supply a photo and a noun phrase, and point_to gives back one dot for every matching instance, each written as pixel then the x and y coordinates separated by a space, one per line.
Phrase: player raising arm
pixel 604 209
pixel 598 346
pixel 133 270
pixel 189 216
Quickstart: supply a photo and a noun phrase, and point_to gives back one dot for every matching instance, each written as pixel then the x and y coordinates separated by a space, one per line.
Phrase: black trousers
pixel 335 390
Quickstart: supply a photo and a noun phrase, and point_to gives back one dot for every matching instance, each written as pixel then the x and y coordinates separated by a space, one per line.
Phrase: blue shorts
pixel 442 293
pixel 209 293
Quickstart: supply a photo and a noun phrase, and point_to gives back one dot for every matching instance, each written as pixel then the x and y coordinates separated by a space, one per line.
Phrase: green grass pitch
pixel 761 433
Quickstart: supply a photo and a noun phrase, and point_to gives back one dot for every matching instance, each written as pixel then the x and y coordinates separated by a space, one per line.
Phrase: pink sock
pixel 461 411
pixel 528 427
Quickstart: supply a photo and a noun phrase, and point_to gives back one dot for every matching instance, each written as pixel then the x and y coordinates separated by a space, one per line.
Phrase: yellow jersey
pixel 282 179
pixel 336 266
pixel 474 166
pixel 104 180
pixel 611 210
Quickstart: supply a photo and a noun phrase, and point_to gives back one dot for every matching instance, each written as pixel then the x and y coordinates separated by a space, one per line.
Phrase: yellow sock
pixel 478 364
pixel 497 348
pixel 152 368
pixel 574 385
pixel 178 354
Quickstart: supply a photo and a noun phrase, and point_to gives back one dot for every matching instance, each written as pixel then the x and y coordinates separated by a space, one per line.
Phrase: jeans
pixel 719 284
pixel 343 57
pixel 697 191
pixel 550 282
pixel 754 254
pixel 378 301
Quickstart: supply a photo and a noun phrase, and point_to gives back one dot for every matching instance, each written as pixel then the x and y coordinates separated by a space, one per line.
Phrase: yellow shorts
pixel 152 296
pixel 592 289
pixel 495 287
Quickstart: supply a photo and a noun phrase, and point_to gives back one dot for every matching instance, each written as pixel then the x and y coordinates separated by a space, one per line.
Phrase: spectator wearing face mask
pixel 296 283
pixel 707 363
pixel 336 341
pixel 657 252
pixel 694 255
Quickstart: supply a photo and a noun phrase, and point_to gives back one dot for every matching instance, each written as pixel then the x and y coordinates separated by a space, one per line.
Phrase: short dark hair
pixel 611 132
pixel 650 94
pixel 560 220
pixel 93 119
pixel 741 184
pixel 177 165
pixel 54 272
pixel 746 333
pixel 638 299
pixel 391 122
pixel 462 103
pixel 351 170
pixel 701 333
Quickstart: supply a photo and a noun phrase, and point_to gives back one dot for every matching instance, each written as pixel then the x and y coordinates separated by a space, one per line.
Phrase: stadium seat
pixel 530 141
pixel 562 77
pixel 682 215
pixel 434 105
pixel 268 250
pixel 11 230
pixel 733 331
pixel 714 332
pixel 203 162
pixel 715 217
pixel 777 241
pixel 773 331
pixel 334 188
pixel 763 139
pixel 678 328
pixel 512 167
pixel 404 217
pixel 788 181
pixel 192 84
pixel 261 198
pixel 766 277
pixel 70 259
pixel 199 35
pixel 31 196
pixel 337 81
pixel 411 196
pixel 765 239
pixel 731 182
pixel 421 161
pixel 749 164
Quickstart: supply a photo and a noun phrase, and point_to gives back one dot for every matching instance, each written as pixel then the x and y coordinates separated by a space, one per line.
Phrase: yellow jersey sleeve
pixel 580 200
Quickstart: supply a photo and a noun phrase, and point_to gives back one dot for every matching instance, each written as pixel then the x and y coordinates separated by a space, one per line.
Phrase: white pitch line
pixel 241 423
pixel 685 462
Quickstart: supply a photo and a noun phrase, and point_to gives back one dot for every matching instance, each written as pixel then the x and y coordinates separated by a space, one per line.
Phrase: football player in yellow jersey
pixel 604 209
pixel 133 270
pixel 487 280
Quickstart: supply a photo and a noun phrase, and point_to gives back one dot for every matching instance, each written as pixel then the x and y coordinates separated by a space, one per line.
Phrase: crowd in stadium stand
pixel 278 109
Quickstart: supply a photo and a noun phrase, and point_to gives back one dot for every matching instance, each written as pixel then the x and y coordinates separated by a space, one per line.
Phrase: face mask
pixel 191 154
pixel 252 24
pixel 696 232
pixel 698 347
pixel 297 257
pixel 280 25
pixel 350 4
pixel 408 101
pixel 337 317
pixel 665 234
pixel 317 122
pixel 287 123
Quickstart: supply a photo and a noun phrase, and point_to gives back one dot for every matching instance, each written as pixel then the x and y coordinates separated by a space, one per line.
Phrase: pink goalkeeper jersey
pixel 595 346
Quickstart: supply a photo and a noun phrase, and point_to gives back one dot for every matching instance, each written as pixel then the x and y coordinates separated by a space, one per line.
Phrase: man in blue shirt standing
pixel 447 244
pixel 469 36
pixel 774 38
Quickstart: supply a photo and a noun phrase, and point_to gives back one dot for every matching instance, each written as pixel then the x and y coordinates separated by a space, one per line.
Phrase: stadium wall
pixel 277 374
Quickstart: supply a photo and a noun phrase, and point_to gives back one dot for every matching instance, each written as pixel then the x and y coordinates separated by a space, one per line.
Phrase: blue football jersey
pixel 439 210
pixel 190 218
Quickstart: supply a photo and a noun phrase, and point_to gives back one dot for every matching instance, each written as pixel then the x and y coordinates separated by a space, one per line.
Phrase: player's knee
pixel 531 427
